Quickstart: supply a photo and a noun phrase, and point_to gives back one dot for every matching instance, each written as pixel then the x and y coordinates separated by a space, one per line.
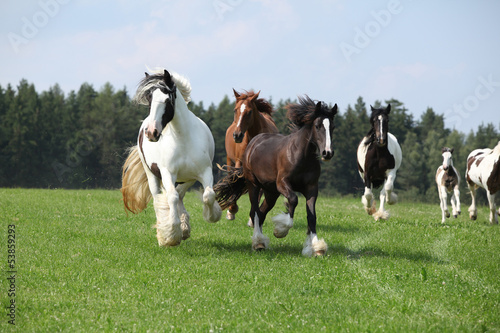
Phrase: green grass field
pixel 83 265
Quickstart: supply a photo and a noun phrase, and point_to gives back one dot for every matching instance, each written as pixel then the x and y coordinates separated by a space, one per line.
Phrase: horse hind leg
pixel 183 213
pixel 211 209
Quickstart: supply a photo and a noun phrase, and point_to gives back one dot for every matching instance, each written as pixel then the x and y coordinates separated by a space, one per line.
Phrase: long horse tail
pixel 230 188
pixel 135 186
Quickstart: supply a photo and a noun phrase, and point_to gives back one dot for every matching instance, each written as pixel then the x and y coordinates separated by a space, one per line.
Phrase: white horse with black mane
pixel 448 181
pixel 483 170
pixel 379 158
pixel 174 150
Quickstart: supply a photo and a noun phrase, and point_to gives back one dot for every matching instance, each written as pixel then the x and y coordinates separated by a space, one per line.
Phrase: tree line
pixel 80 140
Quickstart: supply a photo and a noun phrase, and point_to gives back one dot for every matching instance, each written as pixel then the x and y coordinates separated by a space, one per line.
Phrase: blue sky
pixel 439 54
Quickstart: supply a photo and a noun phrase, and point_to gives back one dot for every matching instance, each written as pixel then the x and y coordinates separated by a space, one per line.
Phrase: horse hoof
pixel 259 247
pixel 229 216
pixel 447 214
pixel 250 223
pixel 280 234
pixel 473 218
pixel 319 253
pixel 455 216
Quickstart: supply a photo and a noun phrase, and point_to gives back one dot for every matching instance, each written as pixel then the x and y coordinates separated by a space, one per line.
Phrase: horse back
pixel 483 169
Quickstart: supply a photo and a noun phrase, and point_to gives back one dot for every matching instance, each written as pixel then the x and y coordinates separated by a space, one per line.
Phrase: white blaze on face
pixel 326 123
pixel 380 119
pixel 446 160
pixel 242 111
pixel 156 111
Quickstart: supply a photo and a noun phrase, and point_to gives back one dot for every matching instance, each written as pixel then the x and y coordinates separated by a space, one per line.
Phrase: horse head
pixel 323 127
pixel 244 112
pixel 447 158
pixel 161 99
pixel 380 124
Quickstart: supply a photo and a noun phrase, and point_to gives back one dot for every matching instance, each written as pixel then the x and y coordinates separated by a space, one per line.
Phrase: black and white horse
pixel 379 158
pixel 448 181
pixel 483 170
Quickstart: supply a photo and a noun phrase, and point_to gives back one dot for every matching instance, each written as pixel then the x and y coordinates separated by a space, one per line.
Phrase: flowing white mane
pixel 155 80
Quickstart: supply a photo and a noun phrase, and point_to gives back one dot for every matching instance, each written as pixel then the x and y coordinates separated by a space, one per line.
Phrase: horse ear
pixel 236 94
pixel 167 78
pixel 388 109
pixel 452 150
pixel 371 107
pixel 147 75
pixel 335 109
pixel 318 106
pixel 443 150
pixel 256 96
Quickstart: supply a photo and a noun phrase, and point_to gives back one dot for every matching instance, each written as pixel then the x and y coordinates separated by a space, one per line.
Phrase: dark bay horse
pixel 252 116
pixel 483 170
pixel 379 158
pixel 448 181
pixel 279 164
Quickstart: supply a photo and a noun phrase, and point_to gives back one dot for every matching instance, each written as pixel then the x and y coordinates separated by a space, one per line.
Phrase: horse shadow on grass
pixel 335 250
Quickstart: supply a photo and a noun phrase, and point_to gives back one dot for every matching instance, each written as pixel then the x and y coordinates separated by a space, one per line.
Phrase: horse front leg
pixel 455 201
pixel 472 208
pixel 259 240
pixel 313 246
pixel 493 208
pixel 211 209
pixel 367 198
pixel 168 225
pixel 443 203
pixel 283 222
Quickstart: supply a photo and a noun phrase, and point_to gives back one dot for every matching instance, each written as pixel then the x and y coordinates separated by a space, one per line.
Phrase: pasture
pixel 84 265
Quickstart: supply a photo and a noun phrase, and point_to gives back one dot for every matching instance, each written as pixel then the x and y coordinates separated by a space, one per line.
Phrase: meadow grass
pixel 83 265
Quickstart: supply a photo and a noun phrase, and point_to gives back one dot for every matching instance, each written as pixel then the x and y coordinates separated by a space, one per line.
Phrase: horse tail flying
pixel 230 188
pixel 135 186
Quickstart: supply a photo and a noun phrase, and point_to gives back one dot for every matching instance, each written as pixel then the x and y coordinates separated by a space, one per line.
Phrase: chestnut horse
pixel 279 164
pixel 252 116
pixel 448 181
pixel 379 158
pixel 483 170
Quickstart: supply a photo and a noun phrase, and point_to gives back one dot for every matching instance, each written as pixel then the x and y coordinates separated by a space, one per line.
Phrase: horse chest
pixel 378 161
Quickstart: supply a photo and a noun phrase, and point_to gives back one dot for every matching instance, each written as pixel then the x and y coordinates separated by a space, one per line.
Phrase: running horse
pixel 483 170
pixel 174 150
pixel 379 158
pixel 282 165
pixel 448 181
pixel 252 116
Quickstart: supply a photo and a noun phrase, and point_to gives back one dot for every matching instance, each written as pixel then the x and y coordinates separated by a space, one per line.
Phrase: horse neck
pixel 302 143
pixel 180 121
pixel 259 123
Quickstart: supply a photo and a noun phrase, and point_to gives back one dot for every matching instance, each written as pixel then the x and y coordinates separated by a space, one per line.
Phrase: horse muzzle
pixel 327 155
pixel 238 136
pixel 152 131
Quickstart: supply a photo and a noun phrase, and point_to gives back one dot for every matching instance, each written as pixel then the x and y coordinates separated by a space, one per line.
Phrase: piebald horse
pixel 379 158
pixel 483 170
pixel 283 165
pixel 174 150
pixel 448 181
pixel 252 116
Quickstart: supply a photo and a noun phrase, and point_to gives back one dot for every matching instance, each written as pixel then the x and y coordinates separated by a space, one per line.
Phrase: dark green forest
pixel 79 140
